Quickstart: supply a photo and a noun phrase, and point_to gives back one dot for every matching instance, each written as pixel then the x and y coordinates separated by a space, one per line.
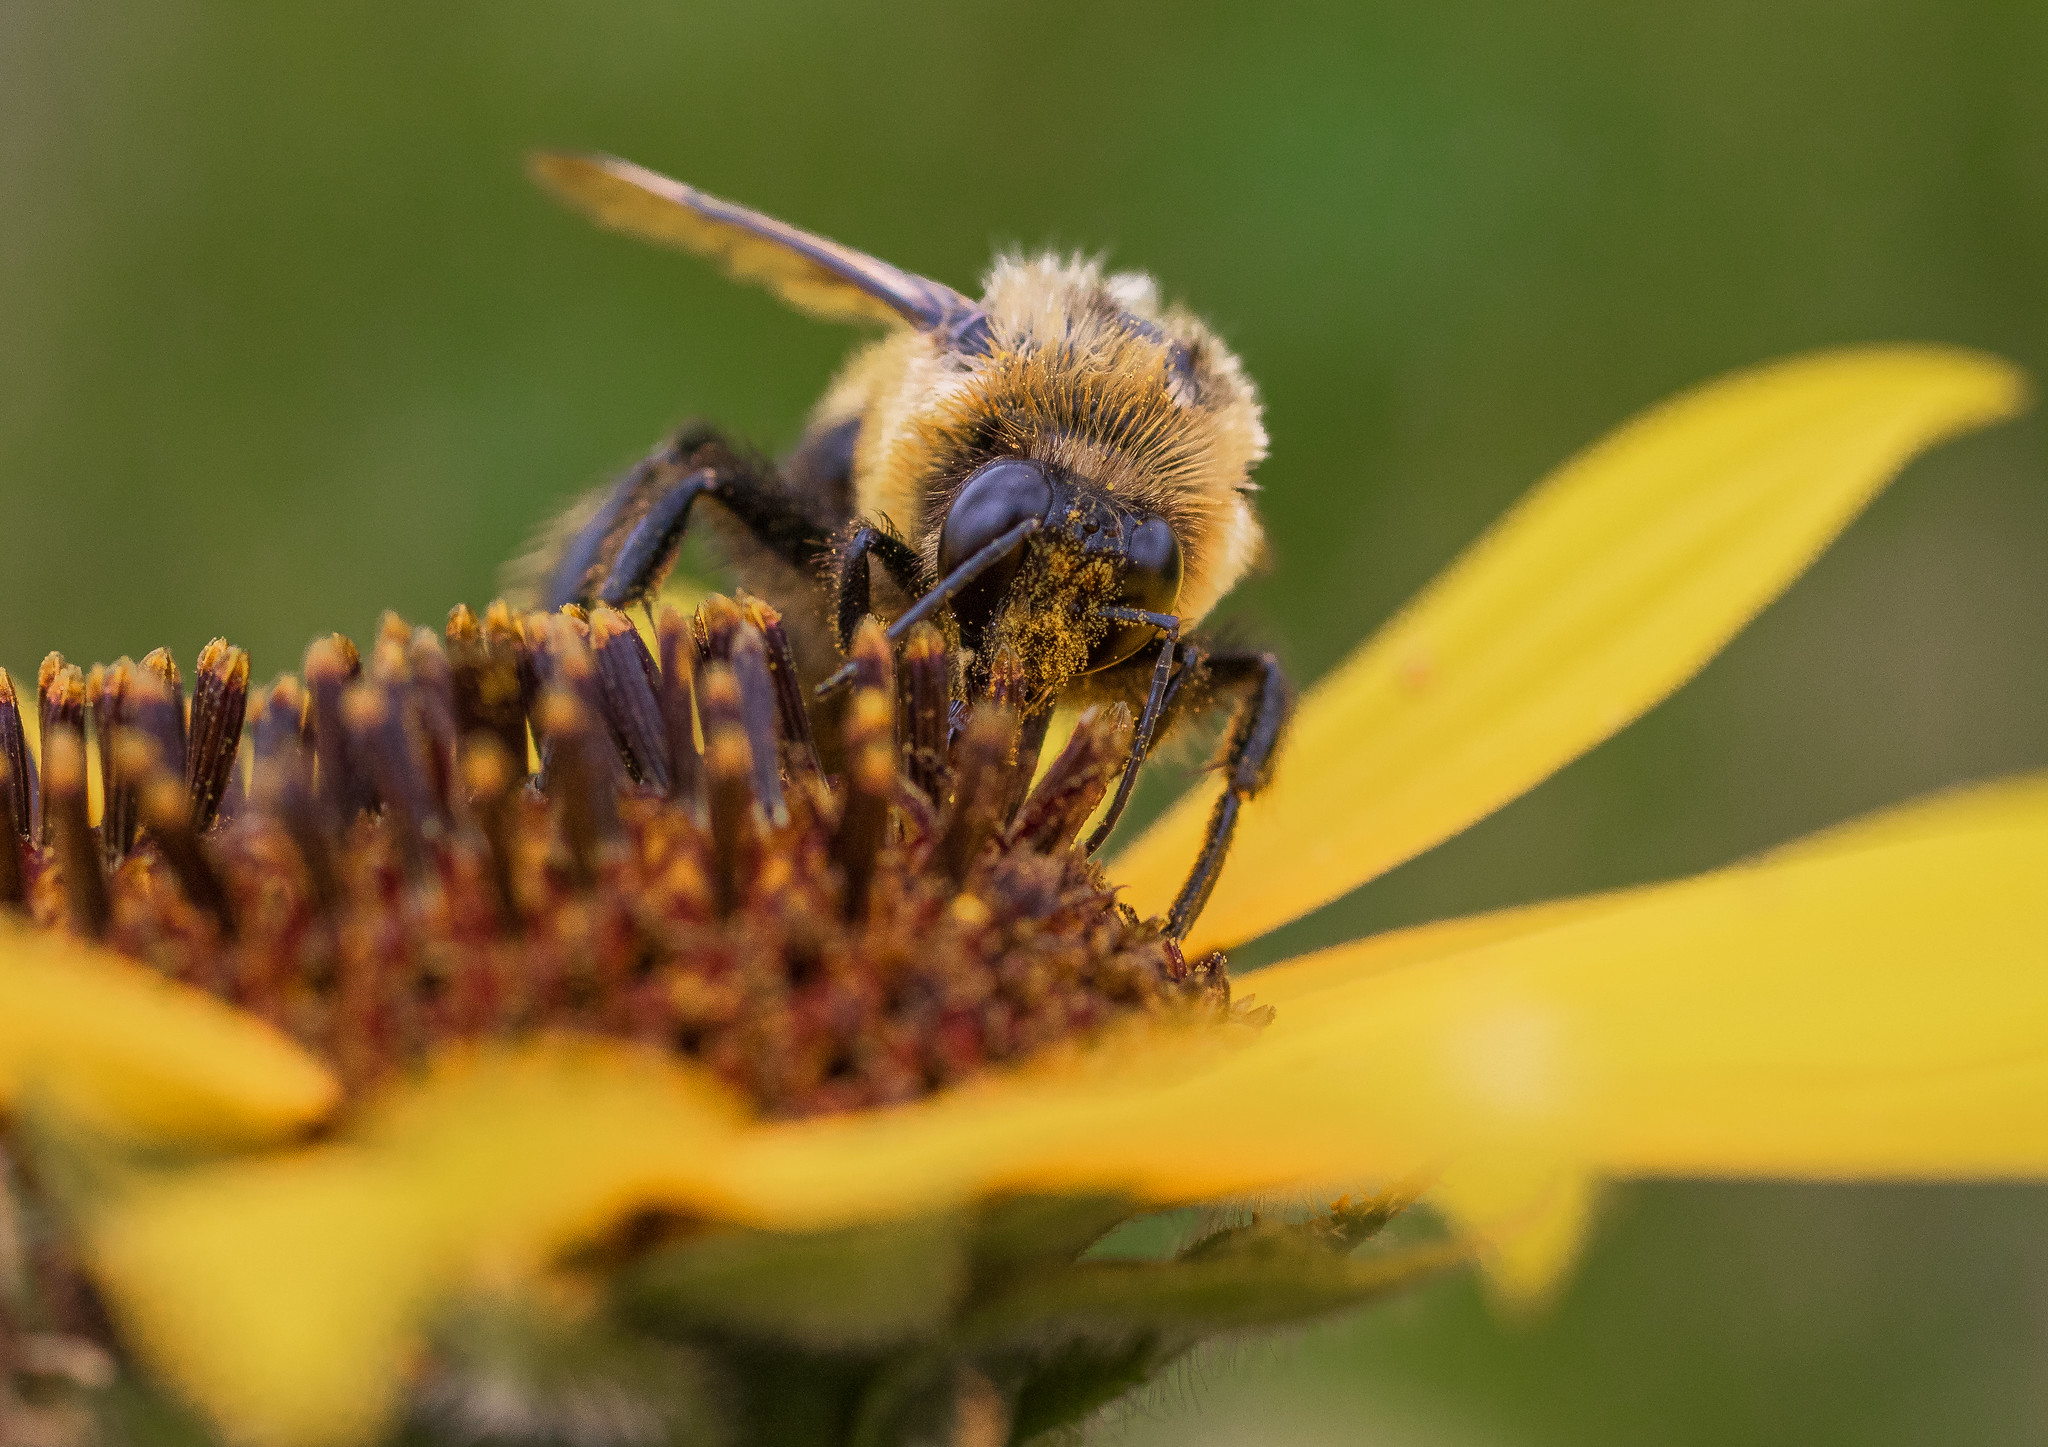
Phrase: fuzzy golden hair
pixel 1086 373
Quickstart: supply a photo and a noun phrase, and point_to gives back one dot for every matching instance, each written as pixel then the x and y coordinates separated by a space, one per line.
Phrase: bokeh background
pixel 286 339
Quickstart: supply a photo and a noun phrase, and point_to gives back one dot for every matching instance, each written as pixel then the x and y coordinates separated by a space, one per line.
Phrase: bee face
pixel 1104 552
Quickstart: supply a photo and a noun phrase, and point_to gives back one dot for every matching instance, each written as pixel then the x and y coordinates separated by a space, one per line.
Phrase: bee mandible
pixel 1058 475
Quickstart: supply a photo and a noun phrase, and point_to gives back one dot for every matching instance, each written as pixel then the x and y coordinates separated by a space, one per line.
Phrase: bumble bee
pixel 1058 474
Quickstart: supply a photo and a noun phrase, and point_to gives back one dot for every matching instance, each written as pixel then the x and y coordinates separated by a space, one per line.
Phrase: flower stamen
pixel 220 697
pixel 64 814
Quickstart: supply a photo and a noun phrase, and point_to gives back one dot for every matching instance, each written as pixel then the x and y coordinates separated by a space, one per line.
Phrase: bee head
pixel 1055 553
pixel 1127 428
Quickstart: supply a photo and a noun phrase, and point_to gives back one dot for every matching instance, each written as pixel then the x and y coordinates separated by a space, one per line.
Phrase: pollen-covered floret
pixel 540 822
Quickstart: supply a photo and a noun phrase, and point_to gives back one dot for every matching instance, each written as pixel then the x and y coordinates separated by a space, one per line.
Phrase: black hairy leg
pixel 851 585
pixel 1264 700
pixel 622 554
pixel 1158 692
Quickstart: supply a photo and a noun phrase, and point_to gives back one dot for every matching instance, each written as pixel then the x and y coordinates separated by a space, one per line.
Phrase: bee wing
pixel 811 273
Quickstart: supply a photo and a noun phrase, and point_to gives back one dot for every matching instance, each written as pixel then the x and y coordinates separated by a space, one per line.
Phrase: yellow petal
pixel 1609 586
pixel 119 1047
pixel 1285 986
pixel 1867 1003
pixel 285 1294
pixel 1527 1218
pixel 1870 1002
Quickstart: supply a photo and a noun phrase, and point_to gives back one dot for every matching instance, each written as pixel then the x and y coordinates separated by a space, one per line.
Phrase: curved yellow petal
pixel 1610 585
pixel 1284 986
pixel 121 1048
pixel 1870 1002
pixel 284 1294
pixel 1867 1003
pixel 1957 811
pixel 1527 1217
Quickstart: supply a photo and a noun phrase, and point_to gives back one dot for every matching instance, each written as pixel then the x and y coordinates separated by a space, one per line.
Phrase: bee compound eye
pixel 1152 567
pixel 1151 581
pixel 994 500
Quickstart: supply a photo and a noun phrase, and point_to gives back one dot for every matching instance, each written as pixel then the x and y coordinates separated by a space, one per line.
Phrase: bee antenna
pixel 949 585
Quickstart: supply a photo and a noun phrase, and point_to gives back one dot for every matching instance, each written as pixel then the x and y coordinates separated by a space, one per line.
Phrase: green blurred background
pixel 285 339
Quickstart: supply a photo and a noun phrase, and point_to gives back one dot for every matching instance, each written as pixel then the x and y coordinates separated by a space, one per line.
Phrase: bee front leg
pixel 1265 701
pixel 1168 674
pixel 851 587
pixel 621 554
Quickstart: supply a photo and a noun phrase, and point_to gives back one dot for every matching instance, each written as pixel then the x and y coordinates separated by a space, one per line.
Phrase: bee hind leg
pixel 622 553
pixel 1265 701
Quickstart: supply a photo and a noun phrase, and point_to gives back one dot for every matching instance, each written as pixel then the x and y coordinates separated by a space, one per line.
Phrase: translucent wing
pixel 811 273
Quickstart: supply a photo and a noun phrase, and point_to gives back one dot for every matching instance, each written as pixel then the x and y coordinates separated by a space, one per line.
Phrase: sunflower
pixel 556 1192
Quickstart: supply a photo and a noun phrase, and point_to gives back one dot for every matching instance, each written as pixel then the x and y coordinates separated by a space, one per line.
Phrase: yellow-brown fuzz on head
pixel 1087 374
pixel 387 877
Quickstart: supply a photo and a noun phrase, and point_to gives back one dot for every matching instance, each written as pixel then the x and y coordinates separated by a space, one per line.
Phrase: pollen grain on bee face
pixel 540 822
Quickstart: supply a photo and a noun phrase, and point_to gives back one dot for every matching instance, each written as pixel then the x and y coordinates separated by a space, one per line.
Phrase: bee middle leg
pixel 1202 677
pixel 1265 702
pixel 620 556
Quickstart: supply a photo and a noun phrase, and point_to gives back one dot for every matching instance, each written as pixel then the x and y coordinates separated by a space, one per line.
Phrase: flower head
pixel 387 882
pixel 1862 1004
